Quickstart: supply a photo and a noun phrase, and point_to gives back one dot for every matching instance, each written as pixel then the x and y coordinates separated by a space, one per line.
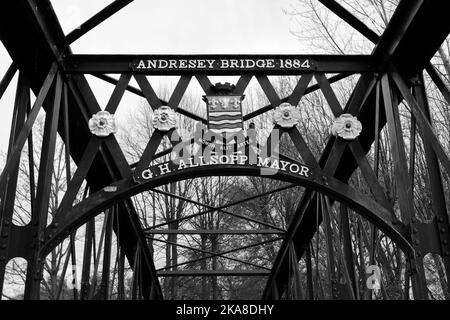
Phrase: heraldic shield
pixel 224 110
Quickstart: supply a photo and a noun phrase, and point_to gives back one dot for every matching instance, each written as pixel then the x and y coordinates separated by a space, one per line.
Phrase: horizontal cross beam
pixel 218 231
pixel 219 64
pixel 217 273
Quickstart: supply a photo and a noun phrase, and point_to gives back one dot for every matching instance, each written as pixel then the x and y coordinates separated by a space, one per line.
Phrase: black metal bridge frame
pixel 41 52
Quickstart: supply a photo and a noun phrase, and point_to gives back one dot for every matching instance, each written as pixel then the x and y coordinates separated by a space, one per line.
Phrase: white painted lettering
pixel 270 63
pixel 284 164
pixel 162 64
pixel 249 63
pixel 141 65
pixel 183 64
pixel 242 159
pixel 304 172
pixel 291 168
pixel 224 64
pixel 146 174
pixel 192 64
pixel 172 64
pixel 151 64
pixel 263 164
pixel 182 164
pixel 214 160
pixel 274 164
pixel 201 64
pixel 164 168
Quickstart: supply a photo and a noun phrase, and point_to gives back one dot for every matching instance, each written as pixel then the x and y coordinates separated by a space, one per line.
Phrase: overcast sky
pixel 169 26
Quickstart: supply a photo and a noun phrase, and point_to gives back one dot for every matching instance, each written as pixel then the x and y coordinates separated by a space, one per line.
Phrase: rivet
pixel 444 241
pixel 4 246
pixel 442 230
pixel 440 219
pixel 415 230
pixel 2 258
pixel 417 242
pixel 447 253
pixel 5 235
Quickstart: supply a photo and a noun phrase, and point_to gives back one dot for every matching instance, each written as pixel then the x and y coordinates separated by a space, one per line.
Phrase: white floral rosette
pixel 286 115
pixel 164 118
pixel 346 126
pixel 102 124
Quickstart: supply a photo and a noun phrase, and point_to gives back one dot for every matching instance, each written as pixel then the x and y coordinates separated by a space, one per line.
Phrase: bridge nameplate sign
pixel 253 64
pixel 269 165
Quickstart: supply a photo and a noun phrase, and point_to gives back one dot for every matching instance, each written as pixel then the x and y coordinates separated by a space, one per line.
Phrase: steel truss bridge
pixel 392 74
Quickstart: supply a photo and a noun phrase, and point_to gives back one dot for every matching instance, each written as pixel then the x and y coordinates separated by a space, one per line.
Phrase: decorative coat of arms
pixel 224 109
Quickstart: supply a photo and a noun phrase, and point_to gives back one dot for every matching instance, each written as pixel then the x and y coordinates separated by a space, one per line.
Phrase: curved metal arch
pixel 101 200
